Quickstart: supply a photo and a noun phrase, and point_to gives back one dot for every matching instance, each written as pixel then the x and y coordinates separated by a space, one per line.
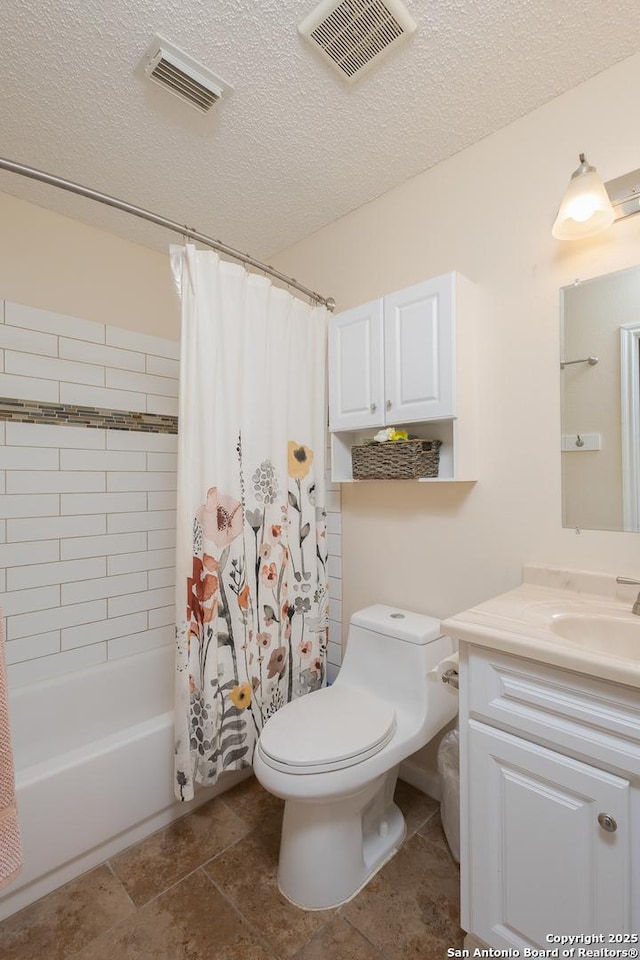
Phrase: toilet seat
pixel 328 729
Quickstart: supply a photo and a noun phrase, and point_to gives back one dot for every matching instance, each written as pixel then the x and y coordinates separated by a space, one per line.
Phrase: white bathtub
pixel 93 755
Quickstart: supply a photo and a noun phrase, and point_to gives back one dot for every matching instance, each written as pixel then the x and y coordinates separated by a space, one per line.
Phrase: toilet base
pixel 330 849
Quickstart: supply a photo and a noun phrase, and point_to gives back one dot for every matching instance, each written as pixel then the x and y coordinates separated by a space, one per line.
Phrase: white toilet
pixel 334 754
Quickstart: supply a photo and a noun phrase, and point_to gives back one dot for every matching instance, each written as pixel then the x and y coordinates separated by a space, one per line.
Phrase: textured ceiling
pixel 293 147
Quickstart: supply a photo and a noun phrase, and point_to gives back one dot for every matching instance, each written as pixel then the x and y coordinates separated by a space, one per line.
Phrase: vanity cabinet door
pixel 356 377
pixel 419 351
pixel 539 861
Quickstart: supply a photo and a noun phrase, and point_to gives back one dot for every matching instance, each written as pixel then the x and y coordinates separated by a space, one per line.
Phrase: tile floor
pixel 205 888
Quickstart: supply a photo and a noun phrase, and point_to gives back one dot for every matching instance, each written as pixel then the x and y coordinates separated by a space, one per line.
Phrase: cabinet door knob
pixel 373 407
pixel 607 823
pixel 388 404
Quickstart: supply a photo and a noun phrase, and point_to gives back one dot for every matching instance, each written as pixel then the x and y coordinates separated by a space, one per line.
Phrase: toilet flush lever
pixel 450 676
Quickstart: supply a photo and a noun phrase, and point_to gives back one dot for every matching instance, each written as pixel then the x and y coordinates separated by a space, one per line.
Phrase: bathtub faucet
pixel 636 607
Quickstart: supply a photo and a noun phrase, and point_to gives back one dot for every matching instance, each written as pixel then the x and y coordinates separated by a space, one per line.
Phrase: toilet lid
pixel 328 727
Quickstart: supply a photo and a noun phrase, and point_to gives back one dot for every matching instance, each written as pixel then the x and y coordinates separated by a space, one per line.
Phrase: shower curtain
pixel 251 589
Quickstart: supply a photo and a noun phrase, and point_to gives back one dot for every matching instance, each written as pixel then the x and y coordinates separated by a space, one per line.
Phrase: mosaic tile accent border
pixel 71 415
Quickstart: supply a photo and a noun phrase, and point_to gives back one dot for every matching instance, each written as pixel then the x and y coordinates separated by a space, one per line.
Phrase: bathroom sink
pixel 609 635
pixel 586 624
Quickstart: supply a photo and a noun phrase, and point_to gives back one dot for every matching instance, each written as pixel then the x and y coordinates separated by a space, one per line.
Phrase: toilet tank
pixel 390 652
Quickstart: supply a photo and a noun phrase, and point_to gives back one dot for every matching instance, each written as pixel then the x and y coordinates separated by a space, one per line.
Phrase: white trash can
pixel 449 769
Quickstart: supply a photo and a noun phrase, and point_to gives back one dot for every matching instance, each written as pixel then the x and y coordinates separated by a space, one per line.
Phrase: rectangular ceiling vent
pixel 173 69
pixel 353 35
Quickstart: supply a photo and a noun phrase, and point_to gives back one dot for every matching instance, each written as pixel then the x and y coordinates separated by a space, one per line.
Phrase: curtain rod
pixel 109 201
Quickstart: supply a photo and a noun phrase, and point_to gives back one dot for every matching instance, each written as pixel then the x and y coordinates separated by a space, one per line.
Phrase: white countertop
pixel 518 622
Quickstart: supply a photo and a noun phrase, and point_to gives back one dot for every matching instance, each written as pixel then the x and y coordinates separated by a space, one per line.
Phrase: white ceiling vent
pixel 181 75
pixel 353 35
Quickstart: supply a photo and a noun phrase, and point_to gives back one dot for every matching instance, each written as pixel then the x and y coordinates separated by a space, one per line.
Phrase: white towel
pixel 10 844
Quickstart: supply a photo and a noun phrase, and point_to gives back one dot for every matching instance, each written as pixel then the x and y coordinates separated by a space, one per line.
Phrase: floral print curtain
pixel 251 593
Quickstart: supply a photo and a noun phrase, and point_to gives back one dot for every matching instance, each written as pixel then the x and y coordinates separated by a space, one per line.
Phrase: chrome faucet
pixel 636 607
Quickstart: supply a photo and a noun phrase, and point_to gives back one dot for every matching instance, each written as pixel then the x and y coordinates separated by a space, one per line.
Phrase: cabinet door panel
pixel 419 351
pixel 540 862
pixel 355 368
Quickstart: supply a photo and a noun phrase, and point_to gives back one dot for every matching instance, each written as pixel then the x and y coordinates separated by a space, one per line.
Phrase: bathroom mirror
pixel 600 391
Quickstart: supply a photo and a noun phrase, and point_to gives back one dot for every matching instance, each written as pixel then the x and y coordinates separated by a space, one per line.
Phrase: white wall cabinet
pixel 550 771
pixel 391 360
pixel 406 359
pixel 356 372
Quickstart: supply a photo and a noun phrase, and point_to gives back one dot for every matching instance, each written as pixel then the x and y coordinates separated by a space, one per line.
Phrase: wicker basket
pixel 396 460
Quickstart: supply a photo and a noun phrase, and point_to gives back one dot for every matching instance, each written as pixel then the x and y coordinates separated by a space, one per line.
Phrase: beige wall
pixel 59 264
pixel 486 212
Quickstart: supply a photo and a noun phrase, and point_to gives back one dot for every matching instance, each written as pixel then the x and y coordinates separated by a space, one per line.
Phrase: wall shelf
pixel 457 462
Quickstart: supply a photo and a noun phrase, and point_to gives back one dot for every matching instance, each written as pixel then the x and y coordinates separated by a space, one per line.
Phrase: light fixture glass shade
pixel 586 208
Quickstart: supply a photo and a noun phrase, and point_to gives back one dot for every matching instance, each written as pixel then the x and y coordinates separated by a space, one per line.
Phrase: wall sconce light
pixel 589 205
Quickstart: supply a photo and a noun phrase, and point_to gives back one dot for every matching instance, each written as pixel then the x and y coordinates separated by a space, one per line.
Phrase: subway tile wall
pixel 87 516
pixel 86 559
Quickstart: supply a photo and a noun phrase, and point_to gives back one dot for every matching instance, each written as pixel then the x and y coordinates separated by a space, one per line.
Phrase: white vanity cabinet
pixel 550 802
pixel 406 360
